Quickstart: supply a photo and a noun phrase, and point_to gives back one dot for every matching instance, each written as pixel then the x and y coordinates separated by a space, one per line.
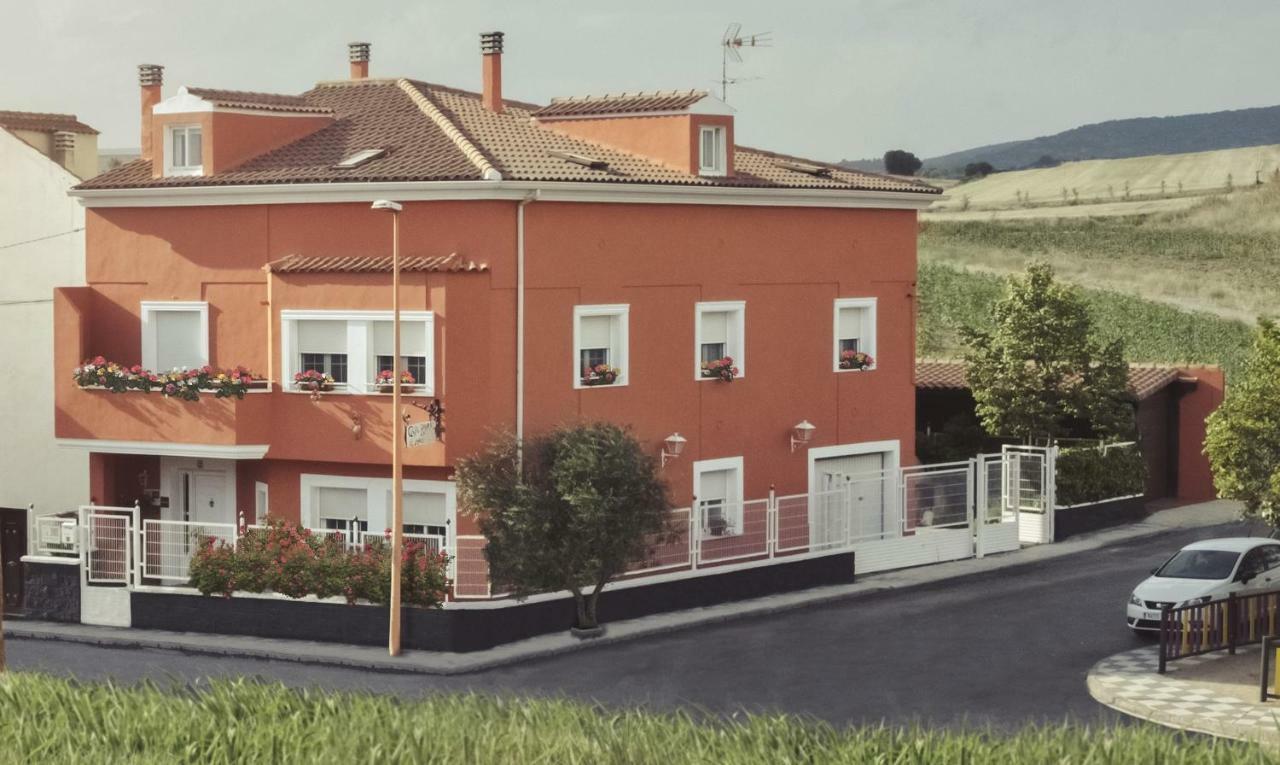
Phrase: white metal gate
pixel 108 549
pixel 1030 489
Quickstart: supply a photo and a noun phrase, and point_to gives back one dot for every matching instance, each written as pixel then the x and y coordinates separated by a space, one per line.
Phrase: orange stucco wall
pixel 788 264
pixel 1195 479
pixel 671 140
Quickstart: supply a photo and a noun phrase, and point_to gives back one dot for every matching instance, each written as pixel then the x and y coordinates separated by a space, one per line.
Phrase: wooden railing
pixel 1218 625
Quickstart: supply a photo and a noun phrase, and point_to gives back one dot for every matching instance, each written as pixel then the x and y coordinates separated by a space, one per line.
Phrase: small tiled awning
pixel 361 264
pixel 1145 380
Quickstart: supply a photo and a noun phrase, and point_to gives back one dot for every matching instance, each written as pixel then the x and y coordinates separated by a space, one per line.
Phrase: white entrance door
pixel 851 505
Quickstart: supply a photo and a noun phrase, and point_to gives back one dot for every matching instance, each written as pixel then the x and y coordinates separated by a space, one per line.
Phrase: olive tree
pixel 1243 436
pixel 570 509
pixel 1040 369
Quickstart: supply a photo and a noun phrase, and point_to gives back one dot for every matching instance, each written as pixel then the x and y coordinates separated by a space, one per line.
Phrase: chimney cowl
pixel 150 75
pixel 491 42
pixel 358 51
pixel 491 70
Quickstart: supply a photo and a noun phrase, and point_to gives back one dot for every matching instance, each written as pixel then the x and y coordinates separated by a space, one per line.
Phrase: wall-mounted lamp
pixel 801 434
pixel 673 446
pixel 357 426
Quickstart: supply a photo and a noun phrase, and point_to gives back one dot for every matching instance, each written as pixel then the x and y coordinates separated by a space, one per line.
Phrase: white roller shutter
pixel 715 327
pixel 596 332
pixel 413 338
pixel 423 508
pixel 178 341
pixel 322 336
pixel 851 324
pixel 343 504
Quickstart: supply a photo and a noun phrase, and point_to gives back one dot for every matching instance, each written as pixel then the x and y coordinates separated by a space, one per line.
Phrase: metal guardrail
pixel 1217 625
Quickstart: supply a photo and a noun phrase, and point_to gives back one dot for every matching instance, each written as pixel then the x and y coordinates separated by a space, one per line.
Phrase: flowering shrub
pixel 600 374
pixel 721 368
pixel 313 381
pixel 185 384
pixel 855 360
pixel 293 561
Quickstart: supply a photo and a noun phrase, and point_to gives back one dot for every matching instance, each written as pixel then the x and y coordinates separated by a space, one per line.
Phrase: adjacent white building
pixel 41 246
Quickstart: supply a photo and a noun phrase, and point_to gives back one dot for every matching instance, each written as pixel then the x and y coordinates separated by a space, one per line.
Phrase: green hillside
pixel 951 298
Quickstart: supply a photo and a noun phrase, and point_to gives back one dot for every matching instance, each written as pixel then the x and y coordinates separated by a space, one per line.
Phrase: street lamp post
pixel 397 428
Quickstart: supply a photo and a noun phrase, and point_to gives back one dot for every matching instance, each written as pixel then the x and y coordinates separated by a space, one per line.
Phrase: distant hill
pixel 1114 139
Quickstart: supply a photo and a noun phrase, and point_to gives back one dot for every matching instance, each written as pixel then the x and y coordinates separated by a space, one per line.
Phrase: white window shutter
pixel 715 327
pixel 322 337
pixel 413 338
pixel 714 484
pixel 423 508
pixel 178 341
pixel 595 332
pixel 851 324
pixel 342 504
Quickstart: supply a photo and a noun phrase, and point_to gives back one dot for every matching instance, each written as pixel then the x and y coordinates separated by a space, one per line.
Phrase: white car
pixel 1204 571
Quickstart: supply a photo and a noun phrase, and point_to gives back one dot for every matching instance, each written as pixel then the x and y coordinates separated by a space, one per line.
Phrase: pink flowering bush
pixel 184 384
pixel 720 368
pixel 856 360
pixel 295 562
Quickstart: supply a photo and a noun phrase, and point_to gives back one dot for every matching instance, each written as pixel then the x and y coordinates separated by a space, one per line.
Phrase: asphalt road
pixel 1001 649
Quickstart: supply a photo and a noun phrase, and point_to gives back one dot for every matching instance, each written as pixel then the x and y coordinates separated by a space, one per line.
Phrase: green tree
pixel 567 510
pixel 1243 436
pixel 899 162
pixel 1040 369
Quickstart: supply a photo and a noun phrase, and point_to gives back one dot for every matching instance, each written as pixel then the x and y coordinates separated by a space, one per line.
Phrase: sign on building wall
pixel 419 433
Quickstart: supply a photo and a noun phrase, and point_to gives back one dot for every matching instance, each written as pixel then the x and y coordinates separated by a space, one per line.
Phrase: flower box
pixel 719 369
pixel 387 384
pixel 856 360
pixel 601 374
pixel 184 384
pixel 313 381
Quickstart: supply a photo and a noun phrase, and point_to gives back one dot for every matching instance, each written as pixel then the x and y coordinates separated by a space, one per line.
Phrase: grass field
pixel 1220 256
pixel 43 719
pixel 1105 180
pixel 1153 332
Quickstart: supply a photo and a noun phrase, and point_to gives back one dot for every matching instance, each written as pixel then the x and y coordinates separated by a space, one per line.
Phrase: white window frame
pixel 170 169
pixel 738 309
pixel 734 507
pixel 261 509
pixel 619 357
pixel 377 509
pixel 360 358
pixel 150 343
pixel 720 139
pixel 869 305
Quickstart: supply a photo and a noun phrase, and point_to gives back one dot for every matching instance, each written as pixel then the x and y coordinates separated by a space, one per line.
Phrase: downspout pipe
pixel 530 197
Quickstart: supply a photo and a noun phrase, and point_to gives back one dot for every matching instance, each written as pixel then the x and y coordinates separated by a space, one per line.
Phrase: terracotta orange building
pixel 626 234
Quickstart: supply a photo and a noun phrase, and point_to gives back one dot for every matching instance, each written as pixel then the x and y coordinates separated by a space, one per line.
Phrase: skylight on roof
pixel 359 158
pixel 579 159
pixel 802 167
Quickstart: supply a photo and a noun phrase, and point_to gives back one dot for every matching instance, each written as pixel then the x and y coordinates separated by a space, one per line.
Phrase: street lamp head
pixel 388 205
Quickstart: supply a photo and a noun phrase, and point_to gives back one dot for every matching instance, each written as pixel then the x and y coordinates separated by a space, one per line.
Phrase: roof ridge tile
pixel 455 134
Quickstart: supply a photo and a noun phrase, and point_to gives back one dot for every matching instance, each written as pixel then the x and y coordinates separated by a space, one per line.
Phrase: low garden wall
pixel 1070 521
pixel 470 628
pixel 51 590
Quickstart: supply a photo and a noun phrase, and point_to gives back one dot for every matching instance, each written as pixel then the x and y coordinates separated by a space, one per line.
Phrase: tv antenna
pixel 731 46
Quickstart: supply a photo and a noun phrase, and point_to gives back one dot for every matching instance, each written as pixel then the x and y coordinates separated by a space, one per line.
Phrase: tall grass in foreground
pixel 1153 332
pixel 48 720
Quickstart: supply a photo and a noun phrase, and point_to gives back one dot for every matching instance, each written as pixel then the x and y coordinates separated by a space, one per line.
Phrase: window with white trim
pixel 712 151
pixel 425 513
pixel 717 486
pixel 261 506
pixel 354 346
pixel 855 334
pixel 184 146
pixel 719 334
pixel 600 345
pixel 342 509
pixel 175 335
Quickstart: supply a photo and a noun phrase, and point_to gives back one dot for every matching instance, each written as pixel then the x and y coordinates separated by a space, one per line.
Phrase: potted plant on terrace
pixel 313 381
pixel 601 374
pixel 722 369
pixel 856 360
pixel 386 382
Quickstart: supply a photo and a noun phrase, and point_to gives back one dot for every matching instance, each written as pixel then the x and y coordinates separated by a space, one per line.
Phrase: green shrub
pixel 46 719
pixel 1093 474
pixel 290 560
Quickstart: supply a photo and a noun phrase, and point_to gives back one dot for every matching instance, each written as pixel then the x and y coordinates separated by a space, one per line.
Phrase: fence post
pixel 136 578
pixel 695 529
pixel 1164 639
pixel 1233 608
pixel 771 522
pixel 1266 670
pixel 977 516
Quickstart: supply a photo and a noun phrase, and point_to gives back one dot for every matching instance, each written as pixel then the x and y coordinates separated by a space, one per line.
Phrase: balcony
pixel 277 423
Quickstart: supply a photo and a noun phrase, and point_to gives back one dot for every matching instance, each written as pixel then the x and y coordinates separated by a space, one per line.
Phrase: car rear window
pixel 1200 564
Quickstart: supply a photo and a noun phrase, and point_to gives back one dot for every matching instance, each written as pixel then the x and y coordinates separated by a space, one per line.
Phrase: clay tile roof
pixel 436 133
pixel 1145 380
pixel 45 123
pixel 621 103
pixel 360 264
pixel 242 99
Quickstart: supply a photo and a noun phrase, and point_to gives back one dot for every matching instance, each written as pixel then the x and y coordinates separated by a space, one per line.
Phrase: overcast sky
pixel 844 78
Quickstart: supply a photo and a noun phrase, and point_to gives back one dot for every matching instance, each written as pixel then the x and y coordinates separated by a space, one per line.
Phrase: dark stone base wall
pixel 51 592
pixel 1079 520
pixel 470 629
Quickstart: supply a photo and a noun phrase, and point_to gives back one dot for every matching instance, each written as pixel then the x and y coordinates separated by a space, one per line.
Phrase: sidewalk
pixel 439 663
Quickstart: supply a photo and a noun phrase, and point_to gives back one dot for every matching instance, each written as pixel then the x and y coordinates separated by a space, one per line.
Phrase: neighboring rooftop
pixel 622 103
pixel 437 133
pixel 1145 380
pixel 44 123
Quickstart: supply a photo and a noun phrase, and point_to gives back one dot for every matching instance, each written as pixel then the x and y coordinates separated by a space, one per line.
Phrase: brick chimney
pixel 358 53
pixel 64 148
pixel 491 55
pixel 150 78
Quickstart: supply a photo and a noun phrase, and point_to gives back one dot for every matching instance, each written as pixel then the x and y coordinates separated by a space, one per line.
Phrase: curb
pixel 532 649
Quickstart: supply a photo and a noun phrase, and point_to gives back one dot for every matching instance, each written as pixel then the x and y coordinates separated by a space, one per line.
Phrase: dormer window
pixel 184 150
pixel 712 151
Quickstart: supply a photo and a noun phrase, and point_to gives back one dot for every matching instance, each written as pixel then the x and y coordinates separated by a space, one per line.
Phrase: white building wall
pixel 34 206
